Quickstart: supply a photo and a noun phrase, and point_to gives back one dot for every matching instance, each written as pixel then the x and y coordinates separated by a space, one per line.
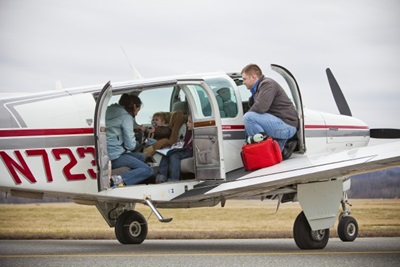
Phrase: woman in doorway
pixel 121 142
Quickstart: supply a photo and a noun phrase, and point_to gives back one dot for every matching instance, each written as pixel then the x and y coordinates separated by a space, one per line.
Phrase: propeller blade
pixel 344 109
pixel 340 100
pixel 384 133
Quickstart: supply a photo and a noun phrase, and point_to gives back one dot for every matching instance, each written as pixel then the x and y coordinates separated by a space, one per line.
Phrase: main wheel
pixel 306 238
pixel 347 229
pixel 131 228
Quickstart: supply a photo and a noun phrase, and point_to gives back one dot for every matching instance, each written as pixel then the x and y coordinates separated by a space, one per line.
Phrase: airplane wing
pixel 283 177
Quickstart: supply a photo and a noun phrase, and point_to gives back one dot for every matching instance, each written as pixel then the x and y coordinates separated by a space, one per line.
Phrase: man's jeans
pixel 140 171
pixel 269 124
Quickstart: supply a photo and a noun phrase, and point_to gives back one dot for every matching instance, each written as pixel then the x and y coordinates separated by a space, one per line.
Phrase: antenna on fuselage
pixel 136 74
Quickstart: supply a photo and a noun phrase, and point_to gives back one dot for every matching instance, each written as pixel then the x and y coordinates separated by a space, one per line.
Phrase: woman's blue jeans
pixel 140 171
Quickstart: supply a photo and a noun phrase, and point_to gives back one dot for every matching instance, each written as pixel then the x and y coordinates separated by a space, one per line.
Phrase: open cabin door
pixel 296 96
pixel 102 160
pixel 207 131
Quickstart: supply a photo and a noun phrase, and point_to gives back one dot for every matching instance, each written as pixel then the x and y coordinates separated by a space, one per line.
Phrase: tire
pixel 305 238
pixel 347 229
pixel 131 228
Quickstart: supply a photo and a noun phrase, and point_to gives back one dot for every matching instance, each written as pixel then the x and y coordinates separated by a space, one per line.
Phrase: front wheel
pixel 347 229
pixel 131 228
pixel 306 238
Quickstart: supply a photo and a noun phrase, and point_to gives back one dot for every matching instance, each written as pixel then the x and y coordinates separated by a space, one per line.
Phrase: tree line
pixel 379 184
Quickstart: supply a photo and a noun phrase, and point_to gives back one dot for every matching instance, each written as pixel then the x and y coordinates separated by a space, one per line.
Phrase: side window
pixel 154 100
pixel 227 102
pixel 204 102
pixel 225 96
pixel 202 105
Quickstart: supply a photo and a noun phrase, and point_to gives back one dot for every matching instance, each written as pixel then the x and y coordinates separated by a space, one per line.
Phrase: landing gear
pixel 131 228
pixel 348 227
pixel 306 238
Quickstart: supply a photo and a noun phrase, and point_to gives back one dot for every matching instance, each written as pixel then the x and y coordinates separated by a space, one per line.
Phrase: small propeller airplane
pixel 54 144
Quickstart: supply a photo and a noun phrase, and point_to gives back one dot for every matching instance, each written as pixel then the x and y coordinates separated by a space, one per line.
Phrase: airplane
pixel 53 144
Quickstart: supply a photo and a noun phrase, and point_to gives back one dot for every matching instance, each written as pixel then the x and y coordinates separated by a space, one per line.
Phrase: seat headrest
pixel 182 106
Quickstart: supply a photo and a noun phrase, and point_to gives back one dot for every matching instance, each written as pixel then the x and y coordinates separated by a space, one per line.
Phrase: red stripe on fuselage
pixel 45 132
pixel 80 131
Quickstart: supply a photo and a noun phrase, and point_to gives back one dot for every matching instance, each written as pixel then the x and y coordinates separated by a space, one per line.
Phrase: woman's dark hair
pixel 129 102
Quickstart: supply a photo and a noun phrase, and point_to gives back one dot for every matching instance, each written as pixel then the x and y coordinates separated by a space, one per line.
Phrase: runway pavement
pixel 231 252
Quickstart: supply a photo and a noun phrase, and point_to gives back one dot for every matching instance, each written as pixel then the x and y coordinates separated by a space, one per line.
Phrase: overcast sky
pixel 80 43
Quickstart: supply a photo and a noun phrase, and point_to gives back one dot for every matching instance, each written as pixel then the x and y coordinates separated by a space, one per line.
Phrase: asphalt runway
pixel 227 252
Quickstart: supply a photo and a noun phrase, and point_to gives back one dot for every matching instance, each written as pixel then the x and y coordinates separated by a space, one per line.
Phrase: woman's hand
pixel 142 128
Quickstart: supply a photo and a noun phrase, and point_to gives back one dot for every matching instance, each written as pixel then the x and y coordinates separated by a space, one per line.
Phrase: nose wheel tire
pixel 305 237
pixel 347 229
pixel 131 228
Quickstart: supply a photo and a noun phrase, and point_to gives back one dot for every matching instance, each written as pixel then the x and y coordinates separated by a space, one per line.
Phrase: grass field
pixel 238 219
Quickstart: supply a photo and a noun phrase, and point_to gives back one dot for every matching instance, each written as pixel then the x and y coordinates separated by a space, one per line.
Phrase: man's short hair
pixel 252 69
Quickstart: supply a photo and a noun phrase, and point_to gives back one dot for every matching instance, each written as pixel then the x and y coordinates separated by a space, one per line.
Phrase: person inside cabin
pixel 169 168
pixel 121 142
pixel 271 111
pixel 159 129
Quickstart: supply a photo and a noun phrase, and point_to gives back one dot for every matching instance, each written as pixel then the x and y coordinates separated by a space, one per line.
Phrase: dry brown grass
pixel 238 219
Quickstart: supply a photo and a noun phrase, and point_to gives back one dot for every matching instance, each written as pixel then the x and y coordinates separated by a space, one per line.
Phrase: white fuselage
pixel 47 143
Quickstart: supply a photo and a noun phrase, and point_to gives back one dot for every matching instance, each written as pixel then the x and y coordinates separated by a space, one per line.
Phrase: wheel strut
pixel 346 206
pixel 159 216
